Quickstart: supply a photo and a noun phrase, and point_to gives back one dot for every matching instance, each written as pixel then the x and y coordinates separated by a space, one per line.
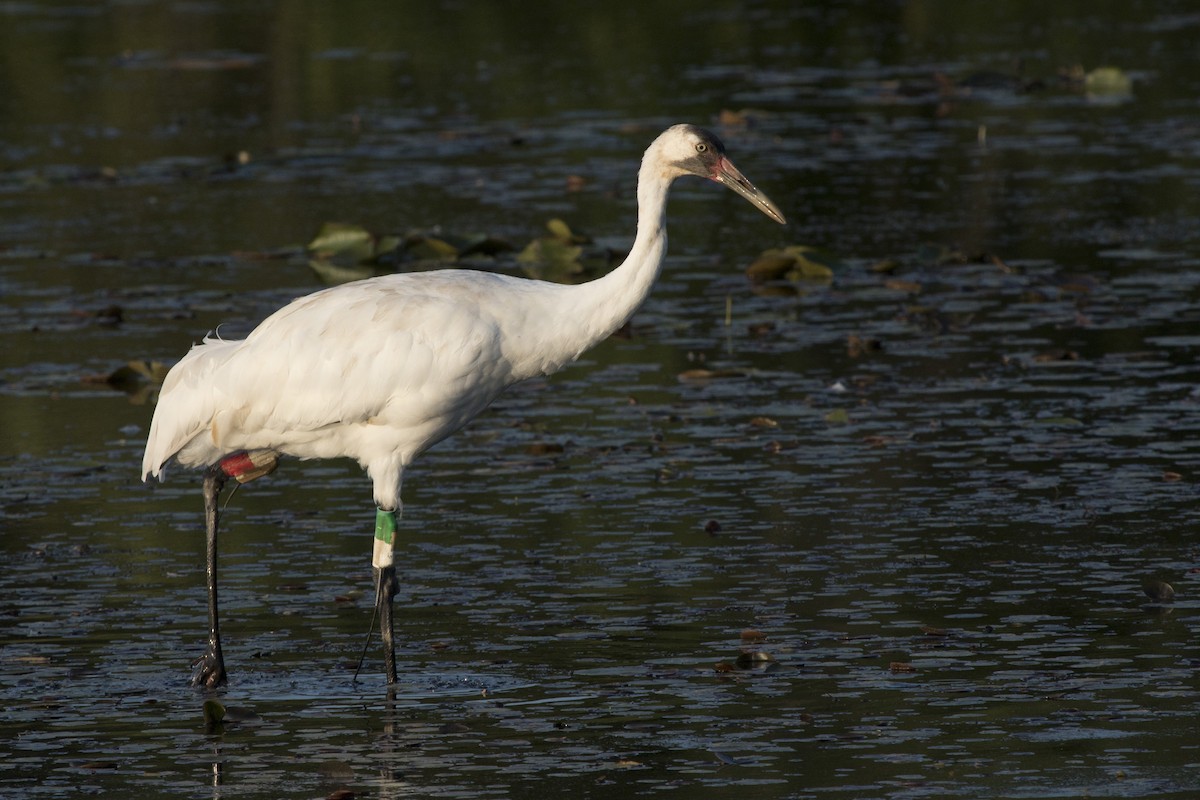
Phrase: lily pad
pixel 770 266
pixel 138 379
pixel 1108 82
pixel 483 244
pixel 343 252
pixel 349 243
pixel 430 248
pixel 332 273
pixel 701 374
pixel 562 231
pixel 839 416
pixel 550 259
pixel 217 713
pixel 1159 591
pixel 135 374
pixel 795 263
pixel 557 256
pixel 214 713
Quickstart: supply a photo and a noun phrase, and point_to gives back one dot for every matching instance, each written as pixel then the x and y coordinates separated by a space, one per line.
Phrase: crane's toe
pixel 208 671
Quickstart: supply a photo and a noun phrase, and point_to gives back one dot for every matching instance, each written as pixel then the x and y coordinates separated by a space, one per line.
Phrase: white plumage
pixel 377 370
pixel 381 369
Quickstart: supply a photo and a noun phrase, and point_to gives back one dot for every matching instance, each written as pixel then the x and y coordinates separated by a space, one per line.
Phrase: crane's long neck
pixel 598 308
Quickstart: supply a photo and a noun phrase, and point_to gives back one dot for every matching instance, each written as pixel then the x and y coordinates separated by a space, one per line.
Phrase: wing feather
pixel 420 353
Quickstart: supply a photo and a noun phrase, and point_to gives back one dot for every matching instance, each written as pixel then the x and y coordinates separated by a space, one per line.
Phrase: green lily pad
pixel 551 259
pixel 794 263
pixel 343 241
pixel 136 374
pixel 562 231
pixel 214 713
pixel 332 273
pixel 430 248
pixel 1108 82
pixel 557 257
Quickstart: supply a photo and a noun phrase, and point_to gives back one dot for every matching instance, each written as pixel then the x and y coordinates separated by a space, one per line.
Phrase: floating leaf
pixel 559 230
pixel 342 252
pixel 214 713
pixel 559 255
pixel 701 374
pixel 130 377
pixel 1159 591
pixel 770 266
pixel 482 244
pixel 940 255
pixel 217 713
pixel 752 660
pixel 810 268
pixel 138 379
pixel 797 262
pixel 551 259
pixel 342 240
pixel 734 119
pixel 562 231
pixel 901 666
pixel 430 248
pixel 839 416
pixel 333 274
pixel 858 346
pixel 897 285
pixel 1108 83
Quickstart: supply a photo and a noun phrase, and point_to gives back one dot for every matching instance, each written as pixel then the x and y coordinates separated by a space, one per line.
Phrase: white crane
pixel 382 369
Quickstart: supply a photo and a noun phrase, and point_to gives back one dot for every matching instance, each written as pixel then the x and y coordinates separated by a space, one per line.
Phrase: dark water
pixel 931 492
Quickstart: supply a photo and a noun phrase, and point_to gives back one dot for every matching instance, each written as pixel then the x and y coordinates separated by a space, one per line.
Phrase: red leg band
pixel 245 467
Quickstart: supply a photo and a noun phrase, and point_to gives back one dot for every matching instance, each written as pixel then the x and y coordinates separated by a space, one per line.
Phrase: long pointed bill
pixel 725 172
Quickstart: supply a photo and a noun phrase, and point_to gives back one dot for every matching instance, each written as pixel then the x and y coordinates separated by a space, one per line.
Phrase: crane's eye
pixel 701 147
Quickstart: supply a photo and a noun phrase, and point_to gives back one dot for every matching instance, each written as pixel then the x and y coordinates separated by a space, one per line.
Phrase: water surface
pixel 894 543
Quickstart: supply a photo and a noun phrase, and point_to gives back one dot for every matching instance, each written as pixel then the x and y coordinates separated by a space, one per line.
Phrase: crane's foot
pixel 208 671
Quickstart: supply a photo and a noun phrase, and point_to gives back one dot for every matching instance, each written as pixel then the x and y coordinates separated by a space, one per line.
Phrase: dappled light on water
pixel 898 501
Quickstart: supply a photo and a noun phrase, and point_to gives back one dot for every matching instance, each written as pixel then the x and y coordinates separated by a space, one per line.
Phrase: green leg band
pixel 385 526
pixel 385 538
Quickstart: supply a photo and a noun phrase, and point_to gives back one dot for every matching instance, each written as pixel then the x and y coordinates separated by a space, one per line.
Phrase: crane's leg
pixel 209 670
pixel 386 585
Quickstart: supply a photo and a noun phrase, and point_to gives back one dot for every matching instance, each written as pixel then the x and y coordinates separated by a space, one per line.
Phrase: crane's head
pixel 689 150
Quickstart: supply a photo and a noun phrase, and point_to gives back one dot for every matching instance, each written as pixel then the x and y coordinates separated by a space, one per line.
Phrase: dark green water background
pixel 935 491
